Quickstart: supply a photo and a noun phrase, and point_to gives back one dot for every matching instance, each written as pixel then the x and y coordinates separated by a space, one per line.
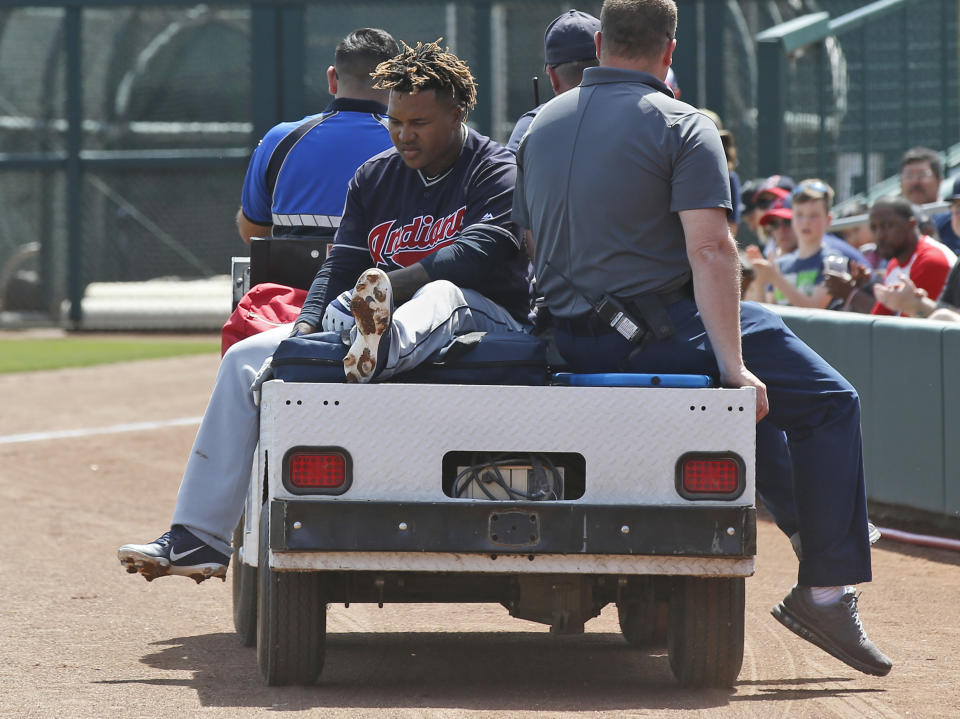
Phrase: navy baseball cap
pixel 955 195
pixel 570 37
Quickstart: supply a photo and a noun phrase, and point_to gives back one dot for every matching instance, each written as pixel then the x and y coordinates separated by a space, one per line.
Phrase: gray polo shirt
pixel 602 173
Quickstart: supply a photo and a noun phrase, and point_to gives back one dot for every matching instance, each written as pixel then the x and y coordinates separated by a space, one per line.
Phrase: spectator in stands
pixel 797 277
pixel 921 171
pixel 912 256
pixel 730 152
pixel 776 224
pixel 948 223
pixel 568 49
pixel 296 182
pixel 912 301
pixel 748 232
pixel 860 236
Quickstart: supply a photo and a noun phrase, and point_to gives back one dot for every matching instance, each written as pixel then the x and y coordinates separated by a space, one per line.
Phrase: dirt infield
pixel 80 638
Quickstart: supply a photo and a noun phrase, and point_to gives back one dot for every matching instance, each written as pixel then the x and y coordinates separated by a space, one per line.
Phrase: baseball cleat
pixel 176 552
pixel 372 307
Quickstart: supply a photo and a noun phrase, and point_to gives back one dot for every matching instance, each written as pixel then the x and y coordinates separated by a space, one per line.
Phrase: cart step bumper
pixel 507 527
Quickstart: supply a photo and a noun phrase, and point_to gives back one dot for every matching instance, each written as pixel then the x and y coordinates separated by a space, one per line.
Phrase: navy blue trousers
pixel 812 483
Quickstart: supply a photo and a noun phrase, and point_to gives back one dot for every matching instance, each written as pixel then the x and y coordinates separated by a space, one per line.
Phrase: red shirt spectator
pixel 927 267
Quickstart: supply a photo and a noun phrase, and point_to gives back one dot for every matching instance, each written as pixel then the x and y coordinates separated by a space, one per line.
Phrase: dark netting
pixel 178 78
pixel 32 240
pixel 31 84
pixel 173 222
pixel 174 77
pixel 856 102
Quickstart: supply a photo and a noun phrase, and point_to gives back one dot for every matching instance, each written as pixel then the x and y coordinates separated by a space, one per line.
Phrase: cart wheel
pixel 291 620
pixel 244 592
pixel 644 622
pixel 705 635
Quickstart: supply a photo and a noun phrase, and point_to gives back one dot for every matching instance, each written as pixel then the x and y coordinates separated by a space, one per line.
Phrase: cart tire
pixel 244 582
pixel 705 636
pixel 291 620
pixel 644 623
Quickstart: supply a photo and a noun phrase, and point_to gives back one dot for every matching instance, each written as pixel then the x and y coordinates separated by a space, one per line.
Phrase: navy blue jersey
pixel 520 129
pixel 298 184
pixel 457 225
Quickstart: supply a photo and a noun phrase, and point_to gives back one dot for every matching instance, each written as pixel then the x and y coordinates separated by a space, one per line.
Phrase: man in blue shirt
pixel 296 182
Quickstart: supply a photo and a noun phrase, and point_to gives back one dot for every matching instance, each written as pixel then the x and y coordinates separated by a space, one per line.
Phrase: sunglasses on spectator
pixel 763 203
pixel 777 224
pixel 812 186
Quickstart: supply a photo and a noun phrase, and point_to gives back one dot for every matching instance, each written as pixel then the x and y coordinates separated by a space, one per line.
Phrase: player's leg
pixel 214 484
pixel 437 312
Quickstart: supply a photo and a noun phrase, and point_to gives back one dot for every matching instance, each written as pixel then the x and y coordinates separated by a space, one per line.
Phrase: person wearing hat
pixel 568 49
pixel 776 219
pixel 756 198
pixel 797 278
pixel 625 188
pixel 948 223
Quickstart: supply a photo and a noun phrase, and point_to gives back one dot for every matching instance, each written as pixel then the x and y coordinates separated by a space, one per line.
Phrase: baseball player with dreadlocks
pixel 427 230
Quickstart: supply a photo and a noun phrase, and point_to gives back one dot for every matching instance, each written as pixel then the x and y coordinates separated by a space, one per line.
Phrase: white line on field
pixel 113 429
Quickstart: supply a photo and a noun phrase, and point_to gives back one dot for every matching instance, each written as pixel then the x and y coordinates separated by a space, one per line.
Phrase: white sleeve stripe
pixel 493 228
pixel 306 220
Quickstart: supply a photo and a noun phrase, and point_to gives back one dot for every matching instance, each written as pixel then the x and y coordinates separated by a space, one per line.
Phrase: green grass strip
pixel 27 355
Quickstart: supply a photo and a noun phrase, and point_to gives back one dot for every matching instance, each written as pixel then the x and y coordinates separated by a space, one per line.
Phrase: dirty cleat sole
pixel 153 567
pixel 177 551
pixel 371 306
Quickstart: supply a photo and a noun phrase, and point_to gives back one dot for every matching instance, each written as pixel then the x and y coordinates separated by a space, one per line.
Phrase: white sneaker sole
pixel 370 306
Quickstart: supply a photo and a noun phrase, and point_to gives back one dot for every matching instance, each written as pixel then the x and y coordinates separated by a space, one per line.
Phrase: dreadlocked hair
pixel 428 67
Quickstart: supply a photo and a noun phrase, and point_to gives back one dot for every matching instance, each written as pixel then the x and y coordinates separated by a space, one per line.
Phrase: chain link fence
pixel 172 97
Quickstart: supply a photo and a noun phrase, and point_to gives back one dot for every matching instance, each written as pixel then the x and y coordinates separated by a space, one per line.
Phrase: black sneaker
pixel 372 308
pixel 176 552
pixel 835 628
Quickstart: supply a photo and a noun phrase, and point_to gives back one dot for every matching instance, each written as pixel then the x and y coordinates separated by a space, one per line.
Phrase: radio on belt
pixel 615 315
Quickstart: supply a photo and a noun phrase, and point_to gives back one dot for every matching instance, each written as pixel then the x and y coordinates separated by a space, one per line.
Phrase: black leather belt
pixel 589 324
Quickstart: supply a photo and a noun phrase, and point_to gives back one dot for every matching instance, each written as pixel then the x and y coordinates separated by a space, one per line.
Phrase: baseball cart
pixel 553 500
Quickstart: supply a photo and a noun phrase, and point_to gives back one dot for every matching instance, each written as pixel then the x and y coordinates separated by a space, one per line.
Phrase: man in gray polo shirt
pixel 624 192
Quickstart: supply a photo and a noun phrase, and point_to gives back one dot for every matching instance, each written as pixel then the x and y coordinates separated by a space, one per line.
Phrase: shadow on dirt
pixel 490 671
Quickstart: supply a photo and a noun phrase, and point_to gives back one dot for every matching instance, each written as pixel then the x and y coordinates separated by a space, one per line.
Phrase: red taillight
pixel 709 477
pixel 308 471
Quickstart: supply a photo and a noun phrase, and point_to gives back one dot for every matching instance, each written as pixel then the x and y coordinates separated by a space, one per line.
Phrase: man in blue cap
pixel 568 49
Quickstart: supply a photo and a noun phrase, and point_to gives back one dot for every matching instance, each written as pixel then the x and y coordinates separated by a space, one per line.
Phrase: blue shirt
pixel 846 249
pixel 513 144
pixel 804 273
pixel 311 184
pixel 945 231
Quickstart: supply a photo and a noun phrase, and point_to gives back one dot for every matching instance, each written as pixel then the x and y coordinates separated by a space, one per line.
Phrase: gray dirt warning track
pixel 80 638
